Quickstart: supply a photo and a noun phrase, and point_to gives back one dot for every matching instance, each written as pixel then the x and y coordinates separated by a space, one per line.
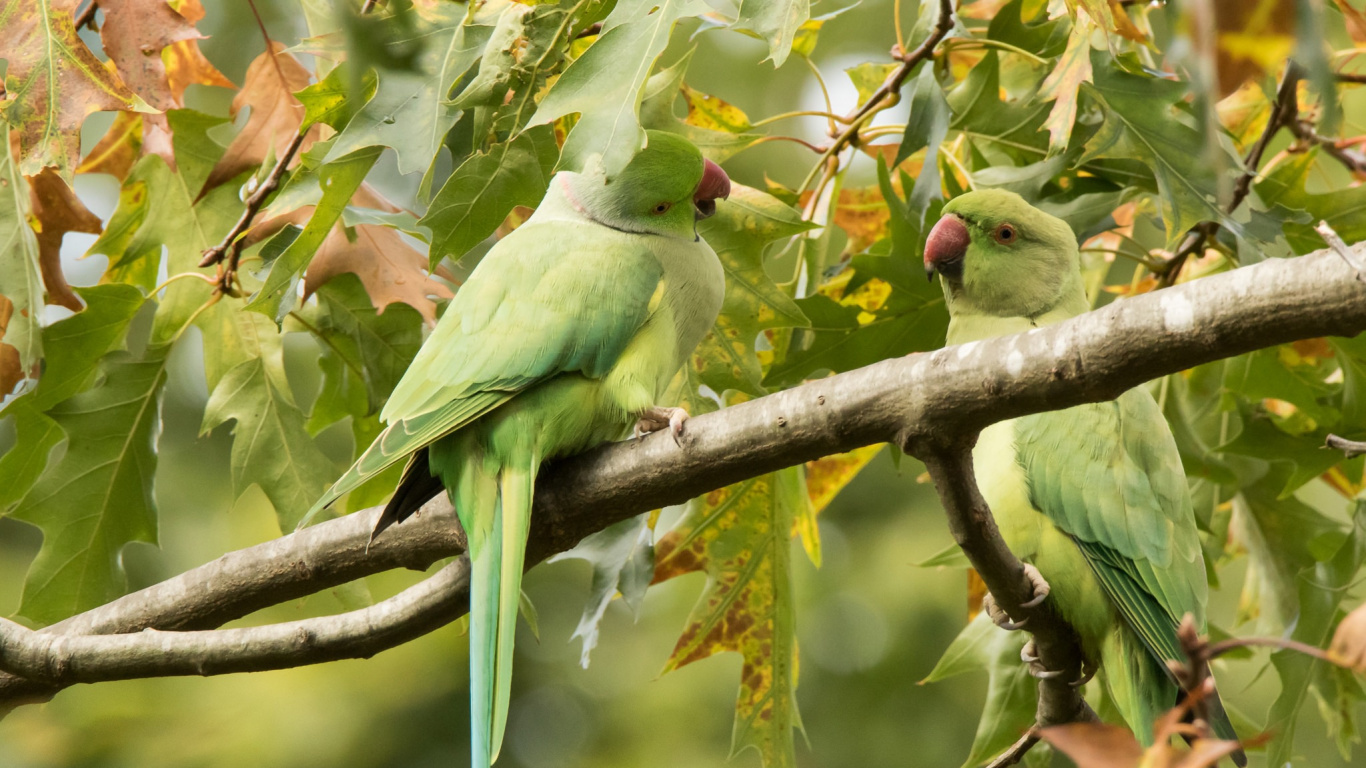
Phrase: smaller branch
pixel 1353 160
pixel 1017 751
pixel 818 149
pixel 949 461
pixel 892 85
pixel 1349 77
pixel 1215 650
pixel 69 659
pixel 232 243
pixel 368 7
pixel 87 16
pixel 1350 448
pixel 1284 113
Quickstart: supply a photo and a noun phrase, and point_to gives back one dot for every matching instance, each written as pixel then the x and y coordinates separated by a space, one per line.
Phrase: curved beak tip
pixel 715 184
pixel 946 246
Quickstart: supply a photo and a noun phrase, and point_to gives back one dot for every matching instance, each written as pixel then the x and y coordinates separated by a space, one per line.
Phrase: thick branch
pixel 958 390
pixel 66 659
pixel 948 457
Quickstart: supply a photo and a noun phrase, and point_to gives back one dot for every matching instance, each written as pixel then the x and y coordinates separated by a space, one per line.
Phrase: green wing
pixel 1108 474
pixel 552 297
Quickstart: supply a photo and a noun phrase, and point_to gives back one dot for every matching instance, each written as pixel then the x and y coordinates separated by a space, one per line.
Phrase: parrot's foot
pixel 1030 656
pixel 657 418
pixel 1088 671
pixel 1001 618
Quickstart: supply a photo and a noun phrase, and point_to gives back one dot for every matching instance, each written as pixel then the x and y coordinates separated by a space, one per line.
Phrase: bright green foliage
pixel 1105 114
pixel 98 497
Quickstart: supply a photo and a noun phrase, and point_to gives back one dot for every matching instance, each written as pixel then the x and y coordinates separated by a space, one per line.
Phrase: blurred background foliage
pixel 1129 119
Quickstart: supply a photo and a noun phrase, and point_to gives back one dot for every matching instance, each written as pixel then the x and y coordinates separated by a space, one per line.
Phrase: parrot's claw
pixel 657 418
pixel 1088 671
pixel 998 615
pixel 1028 654
pixel 1041 587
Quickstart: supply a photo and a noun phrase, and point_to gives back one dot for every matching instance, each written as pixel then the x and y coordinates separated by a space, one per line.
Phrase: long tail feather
pixel 480 513
pixel 518 487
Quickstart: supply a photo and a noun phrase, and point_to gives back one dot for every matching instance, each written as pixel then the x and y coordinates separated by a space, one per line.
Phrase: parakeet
pixel 564 336
pixel 1094 497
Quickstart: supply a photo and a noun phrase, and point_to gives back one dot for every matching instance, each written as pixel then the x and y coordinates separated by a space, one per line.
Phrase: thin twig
pixel 1017 751
pixel 1284 113
pixel 892 85
pixel 1350 448
pixel 368 7
pixel 1349 77
pixel 232 243
pixel 817 148
pixel 1215 650
pixel 1352 159
pixel 1336 244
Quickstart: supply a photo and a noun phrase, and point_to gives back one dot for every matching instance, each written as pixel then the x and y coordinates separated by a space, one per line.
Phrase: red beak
pixel 945 248
pixel 715 184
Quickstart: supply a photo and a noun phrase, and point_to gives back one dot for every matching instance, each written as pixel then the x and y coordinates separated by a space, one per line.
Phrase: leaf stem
pixel 173 278
pixel 798 113
pixel 963 42
pixel 813 147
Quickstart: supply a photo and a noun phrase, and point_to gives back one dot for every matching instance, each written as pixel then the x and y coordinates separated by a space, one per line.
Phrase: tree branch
pixel 65 659
pixel 911 401
pixel 948 457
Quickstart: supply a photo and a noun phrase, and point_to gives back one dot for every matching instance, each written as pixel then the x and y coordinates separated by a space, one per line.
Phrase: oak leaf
pixel 275 117
pixel 56 211
pixel 55 82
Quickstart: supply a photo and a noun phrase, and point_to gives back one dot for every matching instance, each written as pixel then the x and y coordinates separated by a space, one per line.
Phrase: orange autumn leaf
pixel 56 211
pixel 134 34
pixel 117 149
pixel 275 117
pixel 1349 641
pixel 11 370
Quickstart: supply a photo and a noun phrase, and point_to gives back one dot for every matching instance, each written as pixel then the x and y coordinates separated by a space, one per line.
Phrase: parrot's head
pixel 999 255
pixel 665 190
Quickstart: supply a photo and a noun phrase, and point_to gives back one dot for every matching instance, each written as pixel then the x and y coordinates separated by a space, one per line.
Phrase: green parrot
pixel 1094 497
pixel 564 337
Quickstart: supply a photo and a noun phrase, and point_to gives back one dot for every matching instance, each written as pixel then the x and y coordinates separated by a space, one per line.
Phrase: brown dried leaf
pixel 185 63
pixel 1094 745
pixel 390 269
pixel 134 34
pixel 275 116
pixel 11 371
pixel 56 81
pixel 56 211
pixel 1349 641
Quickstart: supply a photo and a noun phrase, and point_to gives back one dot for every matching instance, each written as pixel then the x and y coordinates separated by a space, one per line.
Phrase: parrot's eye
pixel 662 208
pixel 1005 234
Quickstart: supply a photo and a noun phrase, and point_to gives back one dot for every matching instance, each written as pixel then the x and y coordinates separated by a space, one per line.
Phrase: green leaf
pixel 157 209
pixel 374 348
pixel 605 85
pixel 926 128
pixel 741 537
pixel 1320 590
pixel 76 344
pixel 329 101
pixel 485 189
pixel 971 651
pixel 270 446
pixel 623 560
pixel 1003 131
pixel 741 230
pixel 527 44
pixel 843 335
pixel 35 435
pixel 20 279
pixel 409 111
pixel 339 181
pixel 657 112
pixel 1141 122
pixel 98 496
pixel 195 152
pixel 776 21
